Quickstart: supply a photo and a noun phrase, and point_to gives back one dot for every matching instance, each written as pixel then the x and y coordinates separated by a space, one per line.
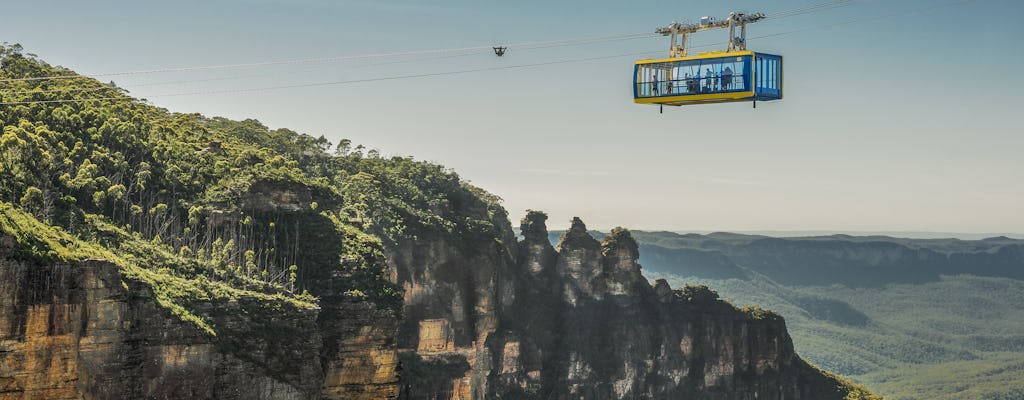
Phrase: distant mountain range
pixel 894 234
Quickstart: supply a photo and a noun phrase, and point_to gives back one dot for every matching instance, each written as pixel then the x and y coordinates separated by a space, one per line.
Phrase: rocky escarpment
pixel 82 330
pixel 85 330
pixel 581 322
pixel 485 316
pixel 456 290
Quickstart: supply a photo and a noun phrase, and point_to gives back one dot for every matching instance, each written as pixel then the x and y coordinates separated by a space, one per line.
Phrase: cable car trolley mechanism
pixel 733 75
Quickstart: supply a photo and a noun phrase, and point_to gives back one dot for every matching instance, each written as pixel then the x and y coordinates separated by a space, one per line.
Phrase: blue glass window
pixel 768 76
pixel 692 77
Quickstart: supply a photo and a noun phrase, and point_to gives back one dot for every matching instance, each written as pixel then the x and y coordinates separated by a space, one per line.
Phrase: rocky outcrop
pixel 86 331
pixel 581 322
pixel 454 296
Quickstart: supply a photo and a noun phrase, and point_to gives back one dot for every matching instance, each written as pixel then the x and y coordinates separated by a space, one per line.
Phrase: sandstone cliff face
pixel 454 296
pixel 81 331
pixel 85 331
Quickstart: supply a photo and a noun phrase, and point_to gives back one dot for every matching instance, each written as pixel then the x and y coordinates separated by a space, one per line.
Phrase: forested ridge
pixel 207 208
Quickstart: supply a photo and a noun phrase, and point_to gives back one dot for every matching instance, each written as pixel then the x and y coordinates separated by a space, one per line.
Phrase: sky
pixel 898 115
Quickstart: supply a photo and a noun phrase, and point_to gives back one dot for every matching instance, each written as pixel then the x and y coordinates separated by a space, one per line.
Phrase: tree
pixel 33 201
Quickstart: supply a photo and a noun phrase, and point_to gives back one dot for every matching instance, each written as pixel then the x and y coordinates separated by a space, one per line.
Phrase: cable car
pixel 733 75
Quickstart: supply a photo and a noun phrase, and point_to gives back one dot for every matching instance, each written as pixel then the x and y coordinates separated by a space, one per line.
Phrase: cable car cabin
pixel 715 77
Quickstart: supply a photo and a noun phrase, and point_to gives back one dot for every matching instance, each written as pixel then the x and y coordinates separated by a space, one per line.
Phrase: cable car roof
pixel 706 54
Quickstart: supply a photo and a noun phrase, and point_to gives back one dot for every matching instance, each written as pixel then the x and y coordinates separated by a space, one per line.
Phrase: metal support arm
pixel 678 32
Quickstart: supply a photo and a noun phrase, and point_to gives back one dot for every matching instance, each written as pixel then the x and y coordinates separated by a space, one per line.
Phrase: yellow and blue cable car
pixel 733 75
pixel 715 77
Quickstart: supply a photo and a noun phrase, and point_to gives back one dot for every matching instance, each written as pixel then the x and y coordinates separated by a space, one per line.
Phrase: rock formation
pixel 485 316
pixel 581 322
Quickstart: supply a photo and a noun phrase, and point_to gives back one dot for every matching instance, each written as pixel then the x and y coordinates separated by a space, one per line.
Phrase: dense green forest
pixel 936 336
pixel 208 209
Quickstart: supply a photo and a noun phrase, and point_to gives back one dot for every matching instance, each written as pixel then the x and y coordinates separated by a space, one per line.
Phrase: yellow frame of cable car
pixel 700 98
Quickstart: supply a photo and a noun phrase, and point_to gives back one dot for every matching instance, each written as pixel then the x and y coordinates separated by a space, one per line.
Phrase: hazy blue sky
pixel 904 123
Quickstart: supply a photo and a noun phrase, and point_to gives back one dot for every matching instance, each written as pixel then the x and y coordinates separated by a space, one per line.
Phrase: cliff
pixel 73 327
pixel 493 319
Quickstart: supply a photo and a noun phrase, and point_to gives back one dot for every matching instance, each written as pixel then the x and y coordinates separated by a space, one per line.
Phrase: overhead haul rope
pixel 424 75
pixel 537 44
pixel 223 78
pixel 809 9
pixel 399 77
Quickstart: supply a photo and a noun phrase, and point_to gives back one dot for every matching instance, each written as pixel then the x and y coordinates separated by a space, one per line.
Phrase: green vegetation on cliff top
pixel 209 209
pixel 50 244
